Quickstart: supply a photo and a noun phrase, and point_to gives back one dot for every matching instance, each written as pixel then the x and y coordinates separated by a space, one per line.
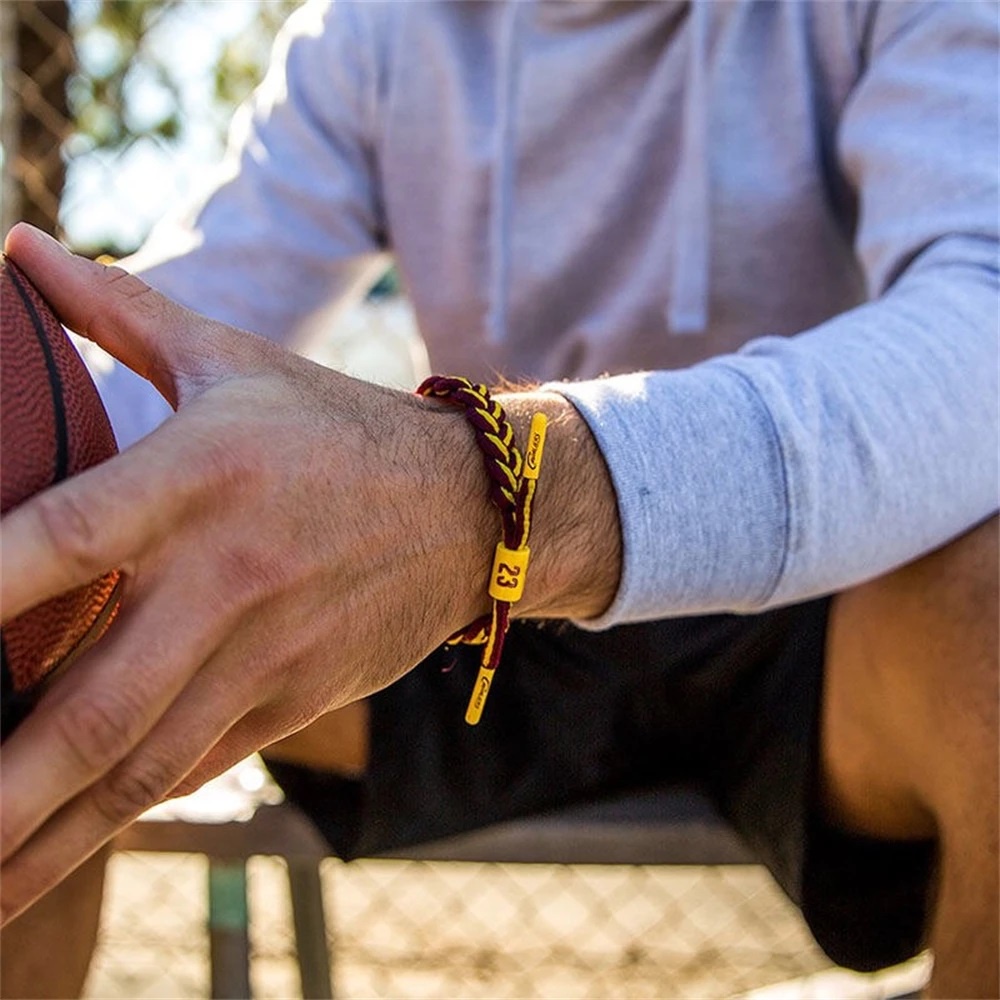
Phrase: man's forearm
pixel 292 540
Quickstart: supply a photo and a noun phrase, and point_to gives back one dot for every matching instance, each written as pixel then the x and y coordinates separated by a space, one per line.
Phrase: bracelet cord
pixel 512 486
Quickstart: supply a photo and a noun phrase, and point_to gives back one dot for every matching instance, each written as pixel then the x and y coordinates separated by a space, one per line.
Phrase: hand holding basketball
pixel 52 425
pixel 290 541
pixel 269 570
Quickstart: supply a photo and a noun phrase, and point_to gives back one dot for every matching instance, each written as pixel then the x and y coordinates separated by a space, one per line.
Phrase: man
pixel 788 213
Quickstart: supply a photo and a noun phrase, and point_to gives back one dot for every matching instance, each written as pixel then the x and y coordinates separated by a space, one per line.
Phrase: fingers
pixel 98 712
pixel 102 519
pixel 170 751
pixel 245 737
pixel 146 331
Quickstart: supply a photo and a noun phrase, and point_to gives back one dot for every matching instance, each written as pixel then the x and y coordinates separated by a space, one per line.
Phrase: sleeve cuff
pixel 699 477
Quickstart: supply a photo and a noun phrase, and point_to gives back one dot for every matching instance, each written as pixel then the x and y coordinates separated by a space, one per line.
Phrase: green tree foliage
pixel 37 55
pixel 130 83
pixel 111 45
pixel 244 57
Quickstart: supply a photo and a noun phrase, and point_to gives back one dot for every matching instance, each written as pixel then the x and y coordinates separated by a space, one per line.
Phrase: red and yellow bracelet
pixel 513 479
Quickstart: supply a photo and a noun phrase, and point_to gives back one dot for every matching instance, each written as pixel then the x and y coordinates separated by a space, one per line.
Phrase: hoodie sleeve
pixel 295 206
pixel 804 465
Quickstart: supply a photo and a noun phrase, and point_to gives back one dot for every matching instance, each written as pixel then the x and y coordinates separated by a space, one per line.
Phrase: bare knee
pixel 940 619
pixel 954 591
pixel 911 696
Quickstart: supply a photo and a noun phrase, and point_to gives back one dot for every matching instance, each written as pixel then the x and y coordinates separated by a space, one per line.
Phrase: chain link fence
pixel 428 928
pixel 112 113
pixel 37 54
pixel 458 929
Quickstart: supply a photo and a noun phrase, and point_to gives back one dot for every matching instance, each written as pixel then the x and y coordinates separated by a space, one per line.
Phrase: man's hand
pixel 291 540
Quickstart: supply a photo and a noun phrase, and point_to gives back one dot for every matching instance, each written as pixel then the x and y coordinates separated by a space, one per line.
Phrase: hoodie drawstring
pixel 687 312
pixel 503 179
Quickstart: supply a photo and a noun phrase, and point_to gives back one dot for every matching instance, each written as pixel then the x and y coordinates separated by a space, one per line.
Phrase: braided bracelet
pixel 513 480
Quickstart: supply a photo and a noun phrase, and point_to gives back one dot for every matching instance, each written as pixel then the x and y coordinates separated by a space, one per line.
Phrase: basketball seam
pixel 55 383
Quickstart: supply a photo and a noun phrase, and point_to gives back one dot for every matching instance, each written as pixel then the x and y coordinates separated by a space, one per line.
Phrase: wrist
pixel 575 538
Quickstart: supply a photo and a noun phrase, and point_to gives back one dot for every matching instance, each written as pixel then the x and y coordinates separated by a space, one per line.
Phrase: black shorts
pixel 727 704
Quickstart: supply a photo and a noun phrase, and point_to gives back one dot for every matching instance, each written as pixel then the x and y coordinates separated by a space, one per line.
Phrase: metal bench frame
pixel 654 827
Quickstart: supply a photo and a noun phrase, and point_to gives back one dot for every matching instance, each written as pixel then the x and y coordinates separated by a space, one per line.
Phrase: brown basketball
pixel 52 425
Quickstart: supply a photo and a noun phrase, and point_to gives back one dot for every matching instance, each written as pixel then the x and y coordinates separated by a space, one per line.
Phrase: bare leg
pixel 910 738
pixel 46 951
pixel 335 742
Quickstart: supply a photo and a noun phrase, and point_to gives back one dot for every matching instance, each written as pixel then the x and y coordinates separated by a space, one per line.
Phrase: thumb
pixel 158 339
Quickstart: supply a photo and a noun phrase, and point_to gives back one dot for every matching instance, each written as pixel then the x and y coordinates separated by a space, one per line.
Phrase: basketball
pixel 52 425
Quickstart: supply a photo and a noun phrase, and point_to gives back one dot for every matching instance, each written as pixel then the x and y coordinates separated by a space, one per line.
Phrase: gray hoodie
pixel 780 218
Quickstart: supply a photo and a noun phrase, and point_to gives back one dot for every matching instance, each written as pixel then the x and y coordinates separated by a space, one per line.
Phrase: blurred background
pixel 114 112
pixel 117 110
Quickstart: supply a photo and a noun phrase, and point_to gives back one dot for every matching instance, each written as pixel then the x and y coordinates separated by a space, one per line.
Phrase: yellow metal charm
pixel 536 444
pixel 510 566
pixel 475 710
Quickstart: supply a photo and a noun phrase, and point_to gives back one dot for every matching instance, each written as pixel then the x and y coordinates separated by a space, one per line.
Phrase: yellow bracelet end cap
pixel 536 445
pixel 479 693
